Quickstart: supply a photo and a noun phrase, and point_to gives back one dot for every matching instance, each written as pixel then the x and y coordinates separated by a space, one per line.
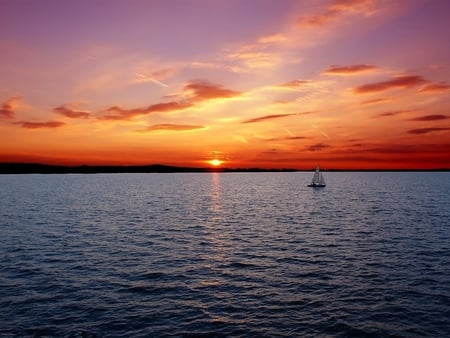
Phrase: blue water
pixel 225 255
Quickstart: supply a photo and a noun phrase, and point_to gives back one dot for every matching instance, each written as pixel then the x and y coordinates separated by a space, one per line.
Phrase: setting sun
pixel 215 162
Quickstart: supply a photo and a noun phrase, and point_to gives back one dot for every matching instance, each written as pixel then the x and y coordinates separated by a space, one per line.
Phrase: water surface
pixel 225 254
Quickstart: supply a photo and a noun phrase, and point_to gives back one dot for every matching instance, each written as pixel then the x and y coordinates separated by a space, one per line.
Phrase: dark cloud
pixel 404 81
pixel 287 138
pixel 68 112
pixel 421 131
pixel 37 125
pixel 317 147
pixel 349 70
pixel 268 117
pixel 174 127
pixel 7 107
pixel 435 117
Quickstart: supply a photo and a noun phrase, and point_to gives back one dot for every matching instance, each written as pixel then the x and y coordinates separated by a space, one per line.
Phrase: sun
pixel 215 162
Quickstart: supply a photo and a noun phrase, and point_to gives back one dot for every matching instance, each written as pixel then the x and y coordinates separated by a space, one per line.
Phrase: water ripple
pixel 220 255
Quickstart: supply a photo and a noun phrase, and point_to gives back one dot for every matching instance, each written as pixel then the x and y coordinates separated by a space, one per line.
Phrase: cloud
pixel 37 125
pixel 272 38
pixel 203 90
pixel 253 58
pixel 156 76
pixel 404 81
pixel 119 113
pixel 435 117
pixel 317 147
pixel 391 113
pixel 267 117
pixel 339 8
pixel 421 131
pixel 287 138
pixel 193 92
pixel 7 107
pixel 435 88
pixel 69 112
pixel 173 127
pixel 294 84
pixel 348 70
pixel 378 100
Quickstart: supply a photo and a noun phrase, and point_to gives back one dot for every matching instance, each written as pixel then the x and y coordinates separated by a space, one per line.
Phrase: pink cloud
pixel 404 81
pixel 268 117
pixel 203 90
pixel 119 113
pixel 435 88
pixel 173 127
pixel 37 125
pixel 435 117
pixel 68 112
pixel 336 9
pixel 294 83
pixel 392 113
pixel 193 92
pixel 349 70
pixel 7 107
pixel 421 131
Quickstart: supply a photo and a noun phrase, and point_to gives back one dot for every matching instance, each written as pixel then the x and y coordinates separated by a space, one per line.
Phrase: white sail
pixel 318 180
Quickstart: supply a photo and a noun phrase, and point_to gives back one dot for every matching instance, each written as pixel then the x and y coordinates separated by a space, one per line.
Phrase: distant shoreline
pixel 38 168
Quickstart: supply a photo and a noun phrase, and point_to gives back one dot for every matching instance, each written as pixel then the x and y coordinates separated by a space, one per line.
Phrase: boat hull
pixel 315 185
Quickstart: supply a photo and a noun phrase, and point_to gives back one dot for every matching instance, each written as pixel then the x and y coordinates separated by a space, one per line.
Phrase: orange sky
pixel 271 84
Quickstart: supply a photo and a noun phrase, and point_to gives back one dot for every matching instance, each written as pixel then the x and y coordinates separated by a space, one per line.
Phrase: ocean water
pixel 225 255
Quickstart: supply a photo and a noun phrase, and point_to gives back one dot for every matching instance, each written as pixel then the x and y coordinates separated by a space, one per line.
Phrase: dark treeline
pixel 37 168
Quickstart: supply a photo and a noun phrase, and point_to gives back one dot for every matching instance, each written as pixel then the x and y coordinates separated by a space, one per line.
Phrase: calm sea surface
pixel 225 255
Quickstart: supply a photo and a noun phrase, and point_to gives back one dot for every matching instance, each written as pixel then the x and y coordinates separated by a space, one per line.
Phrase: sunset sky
pixel 253 83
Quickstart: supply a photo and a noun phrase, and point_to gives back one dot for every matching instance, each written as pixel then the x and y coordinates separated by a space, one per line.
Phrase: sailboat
pixel 317 181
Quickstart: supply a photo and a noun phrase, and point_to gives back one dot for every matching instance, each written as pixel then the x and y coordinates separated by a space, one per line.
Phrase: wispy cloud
pixel 72 113
pixel 287 138
pixel 349 70
pixel 7 107
pixel 391 113
pixel 435 117
pixel 253 58
pixel 403 81
pixel 294 84
pixel 273 38
pixel 119 113
pixel 172 127
pixel 435 88
pixel 267 117
pixel 317 147
pixel 421 131
pixel 157 76
pixel 377 100
pixel 201 90
pixel 38 125
pixel 339 8
pixel 193 92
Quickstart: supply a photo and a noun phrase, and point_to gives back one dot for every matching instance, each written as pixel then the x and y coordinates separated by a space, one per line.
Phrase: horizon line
pixel 44 168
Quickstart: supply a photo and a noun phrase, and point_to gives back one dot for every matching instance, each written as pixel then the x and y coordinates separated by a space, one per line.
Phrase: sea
pixel 225 255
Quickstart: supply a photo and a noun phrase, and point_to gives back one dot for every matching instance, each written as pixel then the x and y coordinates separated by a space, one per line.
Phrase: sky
pixel 346 84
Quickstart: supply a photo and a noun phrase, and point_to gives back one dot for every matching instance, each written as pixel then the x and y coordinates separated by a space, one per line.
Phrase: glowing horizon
pixel 285 84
